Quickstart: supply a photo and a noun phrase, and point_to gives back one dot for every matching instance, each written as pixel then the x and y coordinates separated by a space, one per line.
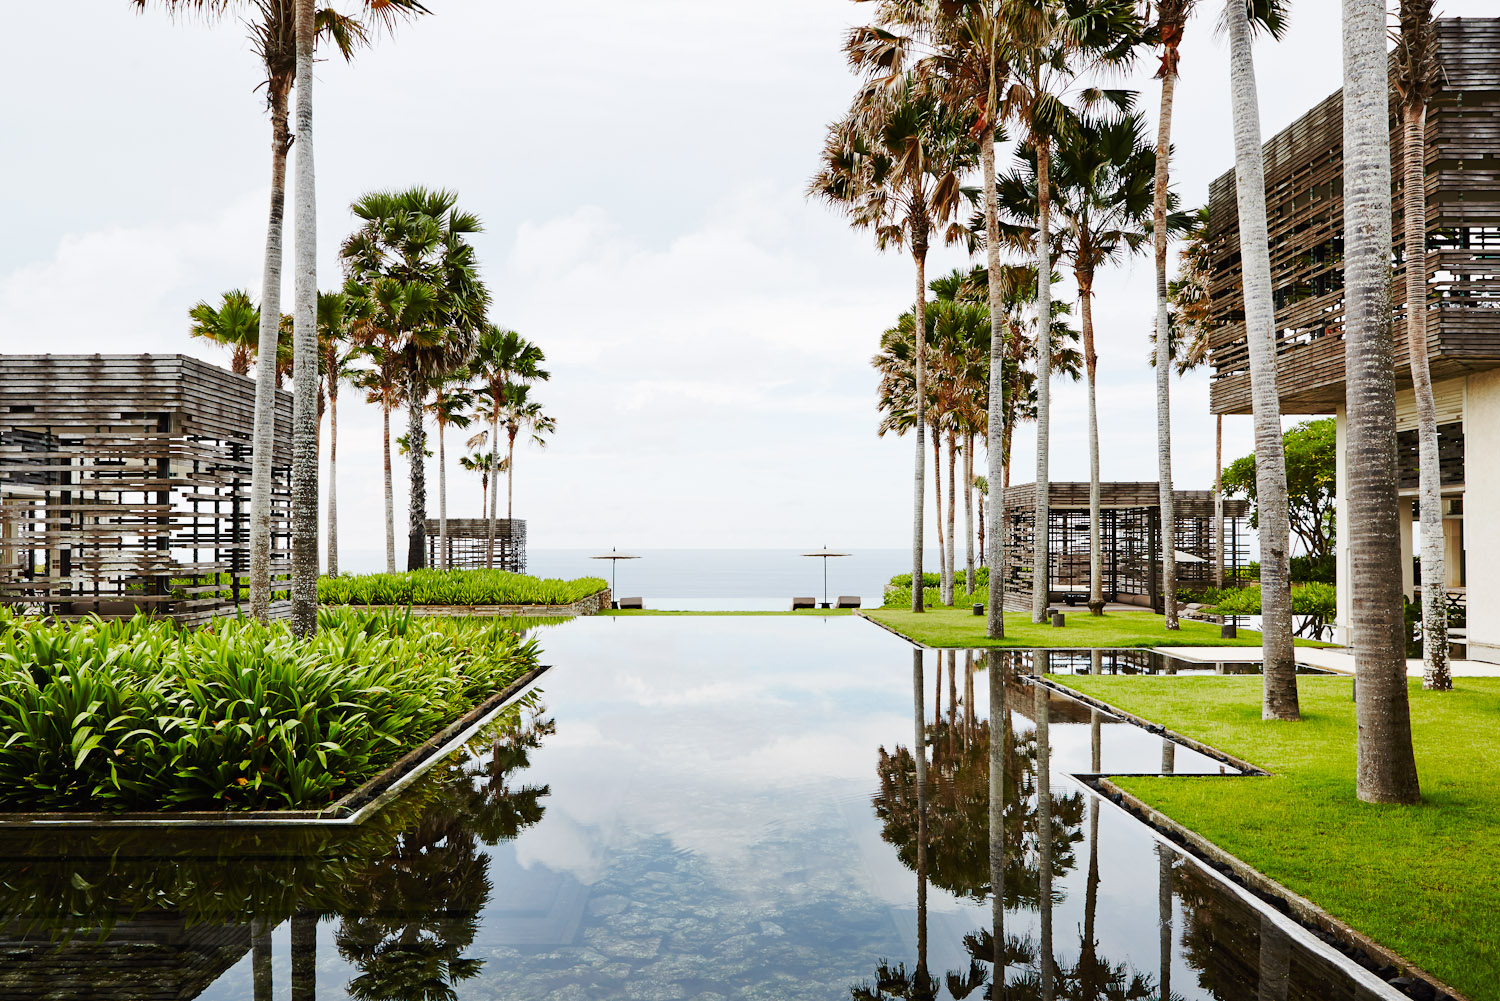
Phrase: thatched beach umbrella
pixel 825 554
pixel 614 556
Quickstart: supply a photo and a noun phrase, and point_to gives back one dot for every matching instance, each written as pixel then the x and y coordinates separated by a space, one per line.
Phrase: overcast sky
pixel 640 171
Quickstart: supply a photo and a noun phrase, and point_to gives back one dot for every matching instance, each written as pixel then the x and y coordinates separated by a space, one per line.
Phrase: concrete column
pixel 1345 604
pixel 1481 508
pixel 1408 578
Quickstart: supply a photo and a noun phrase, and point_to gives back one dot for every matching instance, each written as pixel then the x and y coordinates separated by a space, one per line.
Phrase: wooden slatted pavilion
pixel 1304 195
pixel 1130 535
pixel 125 486
pixel 1305 208
pixel 468 539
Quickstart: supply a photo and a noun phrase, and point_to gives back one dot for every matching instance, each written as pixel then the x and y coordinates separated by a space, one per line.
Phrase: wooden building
pixel 1130 536
pixel 468 541
pixel 125 486
pixel 1304 193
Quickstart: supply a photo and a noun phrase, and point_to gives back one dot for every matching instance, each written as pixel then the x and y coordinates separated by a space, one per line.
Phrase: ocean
pixel 713 579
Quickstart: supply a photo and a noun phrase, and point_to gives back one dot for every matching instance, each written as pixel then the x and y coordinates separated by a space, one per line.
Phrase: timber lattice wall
pixel 125 486
pixel 1304 199
pixel 1130 538
pixel 468 544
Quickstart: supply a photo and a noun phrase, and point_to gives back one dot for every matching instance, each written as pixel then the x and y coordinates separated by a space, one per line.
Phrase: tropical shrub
pixel 454 587
pixel 1317 600
pixel 900 597
pixel 981 578
pixel 145 715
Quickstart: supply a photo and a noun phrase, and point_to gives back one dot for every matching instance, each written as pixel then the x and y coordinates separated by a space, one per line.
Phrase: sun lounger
pixel 804 603
pixel 848 601
pixel 635 603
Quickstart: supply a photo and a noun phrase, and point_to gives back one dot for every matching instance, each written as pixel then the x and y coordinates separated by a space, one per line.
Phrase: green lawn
pixel 960 627
pixel 1422 880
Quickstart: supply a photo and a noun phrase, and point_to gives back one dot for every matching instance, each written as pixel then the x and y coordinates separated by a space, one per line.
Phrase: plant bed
pixel 456 588
pixel 145 716
pixel 1421 881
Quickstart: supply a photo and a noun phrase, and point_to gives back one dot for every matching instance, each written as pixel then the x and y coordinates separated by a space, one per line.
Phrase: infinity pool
pixel 691 808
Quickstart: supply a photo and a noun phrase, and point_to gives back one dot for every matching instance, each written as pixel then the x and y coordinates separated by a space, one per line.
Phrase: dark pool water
pixel 703 809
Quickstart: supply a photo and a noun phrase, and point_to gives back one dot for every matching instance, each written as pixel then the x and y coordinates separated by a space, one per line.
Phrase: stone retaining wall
pixel 591 605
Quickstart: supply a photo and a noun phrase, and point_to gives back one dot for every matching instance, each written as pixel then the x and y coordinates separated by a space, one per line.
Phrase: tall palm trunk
pixel 919 752
pixel 442 495
pixel 1164 354
pixel 1386 769
pixel 1435 674
pixel 489 552
pixel 1218 500
pixel 1044 825
pixel 416 437
pixel 919 257
pixel 995 439
pixel 998 732
pixel 390 514
pixel 937 494
pixel 969 513
pixel 1279 697
pixel 264 432
pixel 950 566
pixel 1040 584
pixel 305 346
pixel 510 472
pixel 262 972
pixel 304 951
pixel 1090 365
pixel 333 479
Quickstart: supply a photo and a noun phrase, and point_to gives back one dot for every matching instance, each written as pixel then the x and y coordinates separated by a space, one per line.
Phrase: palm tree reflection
pixel 412 915
pixel 981 814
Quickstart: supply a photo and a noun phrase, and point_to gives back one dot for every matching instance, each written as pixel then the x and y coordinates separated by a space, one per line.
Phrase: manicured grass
pixel 454 587
pixel 145 715
pixel 960 627
pixel 1422 880
pixel 654 611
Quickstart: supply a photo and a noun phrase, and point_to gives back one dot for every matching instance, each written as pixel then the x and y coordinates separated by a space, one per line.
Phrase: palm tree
pixel 232 325
pixel 894 164
pixel 452 398
pixel 1279 698
pixel 275 36
pixel 481 463
pixel 334 315
pixel 412 256
pixel 1386 769
pixel 503 358
pixel 1046 40
pixel 1102 197
pixel 305 348
pixel 309 22
pixel 519 413
pixel 1171 20
pixel 383 385
pixel 1189 327
pixel 1416 81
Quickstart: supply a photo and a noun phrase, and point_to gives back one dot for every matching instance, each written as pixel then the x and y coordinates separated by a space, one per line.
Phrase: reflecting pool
pixel 692 808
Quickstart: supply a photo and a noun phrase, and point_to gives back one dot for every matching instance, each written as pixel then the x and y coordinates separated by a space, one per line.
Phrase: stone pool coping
pixel 352 809
pixel 1353 944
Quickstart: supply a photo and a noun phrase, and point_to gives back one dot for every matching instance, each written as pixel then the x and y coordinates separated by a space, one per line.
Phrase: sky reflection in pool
pixel 726 808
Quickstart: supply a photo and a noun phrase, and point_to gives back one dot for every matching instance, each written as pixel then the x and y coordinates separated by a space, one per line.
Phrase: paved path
pixel 1328 659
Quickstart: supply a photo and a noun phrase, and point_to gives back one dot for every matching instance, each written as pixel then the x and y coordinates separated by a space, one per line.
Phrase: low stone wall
pixel 591 605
